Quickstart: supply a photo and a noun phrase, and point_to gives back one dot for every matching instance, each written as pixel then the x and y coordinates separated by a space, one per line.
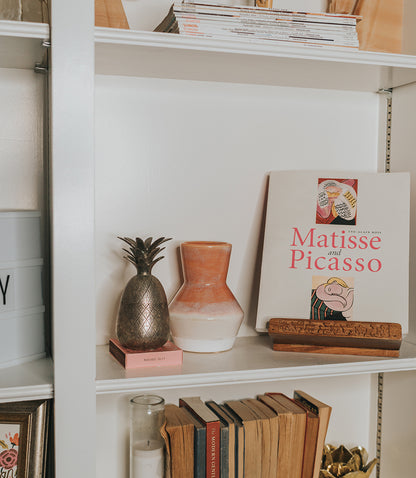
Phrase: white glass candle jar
pixel 147 457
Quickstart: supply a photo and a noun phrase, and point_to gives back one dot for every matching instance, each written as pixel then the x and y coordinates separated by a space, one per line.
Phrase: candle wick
pixel 148 442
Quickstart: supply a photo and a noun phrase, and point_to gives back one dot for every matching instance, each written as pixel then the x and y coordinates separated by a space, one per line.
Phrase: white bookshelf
pixel 251 360
pixel 119 103
pixel 157 98
pixel 22 44
pixel 133 53
pixel 28 381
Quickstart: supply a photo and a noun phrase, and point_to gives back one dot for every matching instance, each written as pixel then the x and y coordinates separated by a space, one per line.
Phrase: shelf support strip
pixel 379 422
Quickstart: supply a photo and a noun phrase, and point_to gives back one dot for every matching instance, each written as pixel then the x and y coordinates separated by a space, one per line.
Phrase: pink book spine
pixel 167 355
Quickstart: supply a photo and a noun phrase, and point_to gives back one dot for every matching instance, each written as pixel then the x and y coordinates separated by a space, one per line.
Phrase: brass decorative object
pixel 143 318
pixel 346 463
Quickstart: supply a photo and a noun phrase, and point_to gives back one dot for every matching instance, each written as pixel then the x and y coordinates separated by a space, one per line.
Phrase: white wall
pixel 189 160
pixel 22 183
pixel 21 146
pixel 403 157
pixel 398 426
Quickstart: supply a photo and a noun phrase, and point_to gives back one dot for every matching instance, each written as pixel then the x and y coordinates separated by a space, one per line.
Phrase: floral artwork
pixel 9 449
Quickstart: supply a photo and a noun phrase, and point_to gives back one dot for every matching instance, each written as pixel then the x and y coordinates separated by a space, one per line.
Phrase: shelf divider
pixel 251 360
pixel 164 55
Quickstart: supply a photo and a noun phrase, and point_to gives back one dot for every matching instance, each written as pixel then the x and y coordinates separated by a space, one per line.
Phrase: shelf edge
pixel 24 29
pixel 18 394
pixel 168 40
pixel 252 376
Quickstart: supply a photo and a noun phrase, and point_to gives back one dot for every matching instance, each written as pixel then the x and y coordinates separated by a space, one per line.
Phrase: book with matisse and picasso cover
pixel 336 247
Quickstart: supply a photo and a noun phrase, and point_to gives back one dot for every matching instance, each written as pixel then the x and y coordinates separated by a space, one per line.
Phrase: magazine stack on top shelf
pixel 261 24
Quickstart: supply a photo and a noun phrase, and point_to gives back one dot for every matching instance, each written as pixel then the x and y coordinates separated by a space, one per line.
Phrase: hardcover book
pixel 167 355
pixel 236 424
pixel 178 433
pixel 269 426
pixel 212 424
pixel 227 440
pixel 200 445
pixel 311 440
pixel 292 427
pixel 336 247
pixel 252 437
pixel 323 411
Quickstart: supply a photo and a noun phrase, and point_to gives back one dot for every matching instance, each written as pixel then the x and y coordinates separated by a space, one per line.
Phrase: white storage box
pixel 20 285
pixel 20 237
pixel 22 336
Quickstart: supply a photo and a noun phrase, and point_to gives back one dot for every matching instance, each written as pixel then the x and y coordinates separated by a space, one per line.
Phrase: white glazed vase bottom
pixel 204 315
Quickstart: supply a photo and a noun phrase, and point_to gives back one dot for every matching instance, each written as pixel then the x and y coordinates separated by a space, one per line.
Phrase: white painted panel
pixel 352 399
pixel 398 426
pixel 72 156
pixel 189 160
pixel 21 139
pixel 403 158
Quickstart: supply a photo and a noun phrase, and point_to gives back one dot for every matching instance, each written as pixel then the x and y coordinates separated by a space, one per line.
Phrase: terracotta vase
pixel 204 315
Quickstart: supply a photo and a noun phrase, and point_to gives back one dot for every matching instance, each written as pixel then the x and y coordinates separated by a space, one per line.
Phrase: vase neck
pixel 206 265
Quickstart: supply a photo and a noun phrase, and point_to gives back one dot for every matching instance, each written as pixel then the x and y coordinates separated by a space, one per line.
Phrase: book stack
pixel 261 24
pixel 271 436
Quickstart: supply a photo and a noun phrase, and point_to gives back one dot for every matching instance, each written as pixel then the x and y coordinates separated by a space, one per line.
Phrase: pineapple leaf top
pixel 142 254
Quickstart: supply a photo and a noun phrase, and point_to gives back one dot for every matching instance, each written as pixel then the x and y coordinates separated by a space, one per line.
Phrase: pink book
pixel 167 355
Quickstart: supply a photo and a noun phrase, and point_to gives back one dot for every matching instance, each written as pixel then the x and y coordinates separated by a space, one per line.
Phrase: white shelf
pixel 21 44
pixel 28 381
pixel 251 360
pixel 163 55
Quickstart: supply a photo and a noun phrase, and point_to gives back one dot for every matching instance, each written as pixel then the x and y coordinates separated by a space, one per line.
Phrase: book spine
pixel 213 450
pixel 255 12
pixel 200 453
pixel 117 353
pixel 263 34
pixel 224 458
pixel 166 355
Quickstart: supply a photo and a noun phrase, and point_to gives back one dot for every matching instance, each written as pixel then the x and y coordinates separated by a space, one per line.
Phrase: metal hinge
pixel 42 67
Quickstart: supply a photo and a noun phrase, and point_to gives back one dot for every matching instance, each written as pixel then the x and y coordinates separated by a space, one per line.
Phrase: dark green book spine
pixel 200 445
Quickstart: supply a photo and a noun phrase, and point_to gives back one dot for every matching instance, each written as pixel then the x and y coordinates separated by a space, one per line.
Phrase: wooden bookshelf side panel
pixel 409 30
pixel 381 28
pixel 110 13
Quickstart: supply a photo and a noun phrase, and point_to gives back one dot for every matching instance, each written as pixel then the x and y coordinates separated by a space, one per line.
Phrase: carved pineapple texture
pixel 143 318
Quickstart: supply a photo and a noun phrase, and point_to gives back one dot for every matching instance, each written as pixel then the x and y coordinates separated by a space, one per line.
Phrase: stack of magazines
pixel 261 24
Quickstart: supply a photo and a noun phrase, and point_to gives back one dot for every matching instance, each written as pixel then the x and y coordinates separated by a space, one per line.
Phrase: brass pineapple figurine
pixel 143 318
